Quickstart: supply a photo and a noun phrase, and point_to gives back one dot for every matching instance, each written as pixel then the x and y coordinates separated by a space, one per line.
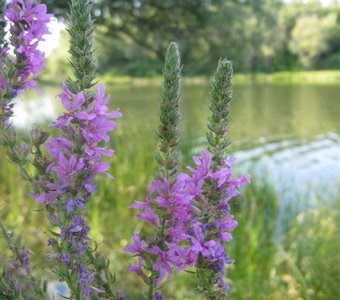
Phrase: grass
pixel 302 265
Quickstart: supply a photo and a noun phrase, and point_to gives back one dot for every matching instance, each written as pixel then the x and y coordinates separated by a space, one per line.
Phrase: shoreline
pixel 325 77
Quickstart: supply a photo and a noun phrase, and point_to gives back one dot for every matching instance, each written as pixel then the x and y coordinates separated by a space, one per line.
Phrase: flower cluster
pixel 198 222
pixel 76 157
pixel 21 265
pixel 17 278
pixel 27 26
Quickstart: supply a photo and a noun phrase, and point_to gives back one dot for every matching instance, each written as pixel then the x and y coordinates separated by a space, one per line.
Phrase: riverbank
pixel 302 77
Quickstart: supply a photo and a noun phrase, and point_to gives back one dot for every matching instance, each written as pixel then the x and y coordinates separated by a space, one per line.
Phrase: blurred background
pixel 285 132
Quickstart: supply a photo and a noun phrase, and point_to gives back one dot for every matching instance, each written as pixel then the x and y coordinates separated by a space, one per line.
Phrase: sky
pixel 52 40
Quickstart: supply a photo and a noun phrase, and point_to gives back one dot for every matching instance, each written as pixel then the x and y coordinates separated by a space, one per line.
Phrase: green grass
pixel 303 265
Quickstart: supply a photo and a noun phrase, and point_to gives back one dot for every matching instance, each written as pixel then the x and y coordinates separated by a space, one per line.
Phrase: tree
pixel 310 36
pixel 150 24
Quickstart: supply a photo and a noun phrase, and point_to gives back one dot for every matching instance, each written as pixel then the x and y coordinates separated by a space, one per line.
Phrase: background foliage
pixel 259 35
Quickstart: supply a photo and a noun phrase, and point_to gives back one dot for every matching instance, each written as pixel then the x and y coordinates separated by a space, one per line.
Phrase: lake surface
pixel 289 135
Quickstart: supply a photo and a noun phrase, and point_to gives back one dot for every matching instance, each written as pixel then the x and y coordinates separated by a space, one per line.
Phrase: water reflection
pixel 306 169
pixel 288 134
pixel 33 109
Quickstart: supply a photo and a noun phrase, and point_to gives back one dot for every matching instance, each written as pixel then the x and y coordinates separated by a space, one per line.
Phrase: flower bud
pixel 39 136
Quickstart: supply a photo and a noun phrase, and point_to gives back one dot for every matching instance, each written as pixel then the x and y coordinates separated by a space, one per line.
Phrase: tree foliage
pixel 258 35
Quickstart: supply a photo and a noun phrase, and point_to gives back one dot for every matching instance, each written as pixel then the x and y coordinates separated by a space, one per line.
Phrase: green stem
pixel 151 292
pixel 218 142
pixel 4 231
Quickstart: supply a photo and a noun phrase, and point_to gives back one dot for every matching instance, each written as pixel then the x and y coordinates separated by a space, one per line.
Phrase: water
pixel 286 133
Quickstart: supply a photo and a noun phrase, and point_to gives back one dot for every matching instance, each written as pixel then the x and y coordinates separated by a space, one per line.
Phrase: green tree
pixel 310 37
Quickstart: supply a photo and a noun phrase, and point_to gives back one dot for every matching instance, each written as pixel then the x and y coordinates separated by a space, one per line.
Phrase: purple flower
pixel 66 258
pixel 47 198
pixel 159 296
pixel 25 39
pixel 149 216
pixel 196 226
pixel 96 130
pixel 163 265
pixel 75 203
pixel 50 196
pixel 57 145
pixel 137 269
pixel 101 167
pixel 203 165
pixel 100 108
pixel 68 168
pixel 142 204
pixel 73 105
pixel 138 245
pixel 85 279
pixel 25 259
pixel 93 150
pixel 177 255
pixel 76 159
pixel 27 25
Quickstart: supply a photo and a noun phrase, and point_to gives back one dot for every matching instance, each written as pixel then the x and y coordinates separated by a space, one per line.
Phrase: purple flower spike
pixel 188 238
pixel 76 158
pixel 27 26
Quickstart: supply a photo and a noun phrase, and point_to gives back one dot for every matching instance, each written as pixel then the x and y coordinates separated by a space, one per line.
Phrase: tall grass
pixel 302 264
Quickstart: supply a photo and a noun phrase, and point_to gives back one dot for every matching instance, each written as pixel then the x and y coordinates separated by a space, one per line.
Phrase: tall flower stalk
pixel 27 21
pixel 219 188
pixel 27 26
pixel 168 158
pixel 66 182
pixel 189 212
pixel 219 120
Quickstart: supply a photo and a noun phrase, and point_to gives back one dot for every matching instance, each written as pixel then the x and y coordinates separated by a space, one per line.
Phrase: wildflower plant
pixel 27 22
pixel 75 158
pixel 151 257
pixel 214 221
pixel 17 280
pixel 189 212
pixel 64 179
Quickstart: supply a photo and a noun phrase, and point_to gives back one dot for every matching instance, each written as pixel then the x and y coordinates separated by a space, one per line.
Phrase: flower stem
pixel 168 156
pixel 151 288
pixel 219 119
pixel 81 46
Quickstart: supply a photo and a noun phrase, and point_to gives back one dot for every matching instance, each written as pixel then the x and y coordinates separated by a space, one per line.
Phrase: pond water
pixel 288 134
